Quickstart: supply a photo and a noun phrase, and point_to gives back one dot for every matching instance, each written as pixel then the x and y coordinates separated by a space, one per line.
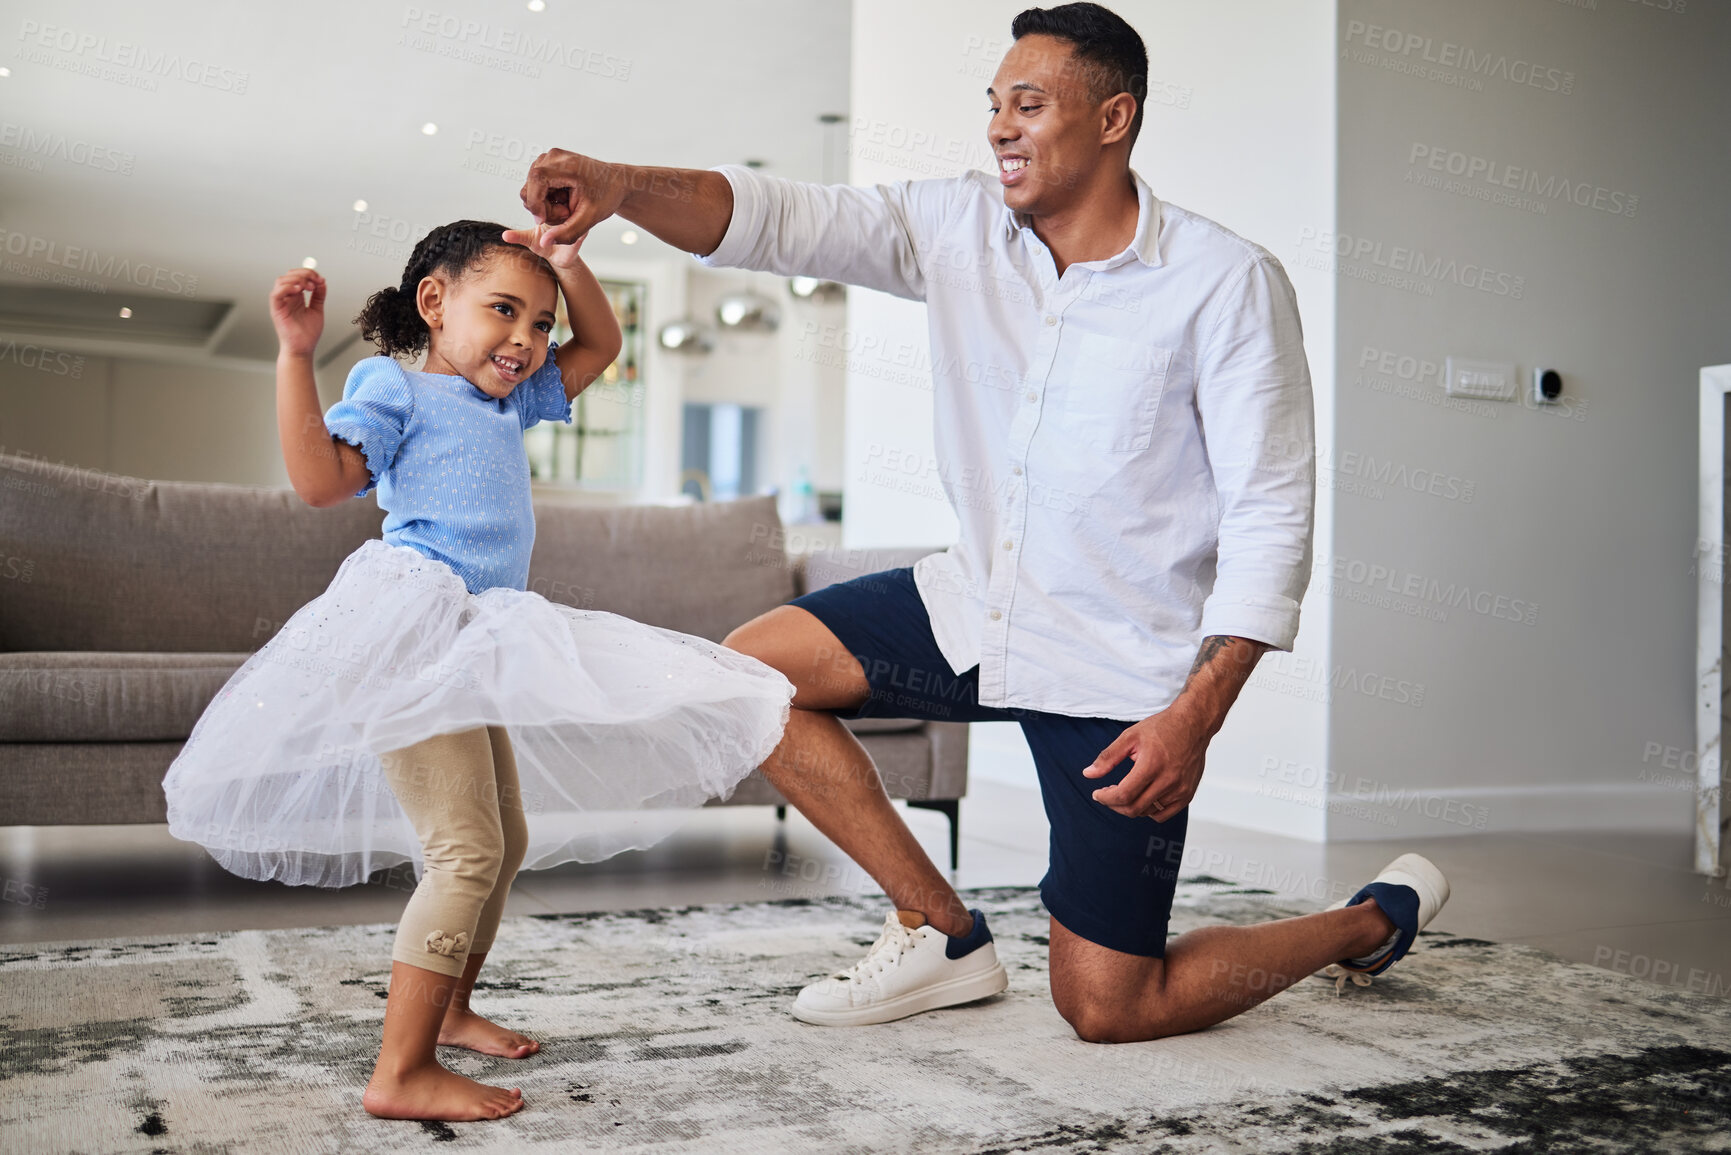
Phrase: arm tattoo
pixel 1211 646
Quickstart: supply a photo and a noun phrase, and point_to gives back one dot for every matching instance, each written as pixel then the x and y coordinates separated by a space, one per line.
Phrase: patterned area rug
pixel 668 1031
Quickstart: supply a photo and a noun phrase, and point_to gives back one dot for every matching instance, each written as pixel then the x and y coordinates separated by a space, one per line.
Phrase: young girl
pixel 425 706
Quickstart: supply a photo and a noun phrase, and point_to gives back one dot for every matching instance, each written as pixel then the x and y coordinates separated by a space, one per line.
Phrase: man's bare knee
pixel 792 640
pixel 1099 1021
pixel 751 637
pixel 1092 1022
pixel 1105 995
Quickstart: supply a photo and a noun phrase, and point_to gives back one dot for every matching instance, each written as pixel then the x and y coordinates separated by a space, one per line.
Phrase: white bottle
pixel 804 498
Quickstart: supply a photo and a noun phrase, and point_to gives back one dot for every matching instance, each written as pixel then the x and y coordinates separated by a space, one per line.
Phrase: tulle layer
pixel 617 726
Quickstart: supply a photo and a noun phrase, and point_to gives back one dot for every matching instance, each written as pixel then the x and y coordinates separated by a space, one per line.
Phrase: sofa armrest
pixel 826 567
pixel 949 759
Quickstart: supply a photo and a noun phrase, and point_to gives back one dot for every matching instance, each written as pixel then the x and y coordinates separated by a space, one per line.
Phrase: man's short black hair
pixel 1109 53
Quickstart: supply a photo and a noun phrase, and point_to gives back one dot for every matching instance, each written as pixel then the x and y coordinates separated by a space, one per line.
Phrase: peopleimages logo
pixel 1421 49
pixel 88 53
pixel 87 260
pixel 1391 582
pixel 1316 680
pixel 69 150
pixel 1543 187
pixel 1281 454
pixel 42 359
pixel 1411 263
pixel 501 46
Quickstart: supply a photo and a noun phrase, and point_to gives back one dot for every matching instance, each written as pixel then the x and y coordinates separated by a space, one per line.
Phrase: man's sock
pixel 977 938
pixel 1369 959
pixel 1400 904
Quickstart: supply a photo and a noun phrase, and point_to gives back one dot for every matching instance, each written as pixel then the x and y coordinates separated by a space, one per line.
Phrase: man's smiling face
pixel 1044 128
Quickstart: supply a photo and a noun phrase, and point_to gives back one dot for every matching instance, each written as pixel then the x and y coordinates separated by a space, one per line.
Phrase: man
pixel 1106 368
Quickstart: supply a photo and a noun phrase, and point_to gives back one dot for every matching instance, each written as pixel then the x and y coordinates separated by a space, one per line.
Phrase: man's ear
pixel 430 300
pixel 1117 114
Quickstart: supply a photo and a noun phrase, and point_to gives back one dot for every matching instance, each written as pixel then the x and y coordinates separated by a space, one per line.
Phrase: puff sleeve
pixel 541 397
pixel 377 408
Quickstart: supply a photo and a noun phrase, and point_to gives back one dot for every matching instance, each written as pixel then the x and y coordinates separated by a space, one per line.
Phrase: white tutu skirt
pixel 616 726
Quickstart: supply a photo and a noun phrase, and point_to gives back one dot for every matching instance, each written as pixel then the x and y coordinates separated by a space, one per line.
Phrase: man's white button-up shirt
pixel 1104 436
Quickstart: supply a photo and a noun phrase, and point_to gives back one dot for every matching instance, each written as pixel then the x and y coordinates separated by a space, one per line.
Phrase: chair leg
pixel 950 808
pixel 781 814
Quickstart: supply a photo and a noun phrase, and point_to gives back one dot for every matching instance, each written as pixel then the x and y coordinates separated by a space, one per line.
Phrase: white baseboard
pixel 1419 812
pixel 998 753
pixel 1256 805
pixel 1512 809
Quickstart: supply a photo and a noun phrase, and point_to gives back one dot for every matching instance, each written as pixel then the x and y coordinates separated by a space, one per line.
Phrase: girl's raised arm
pixel 323 470
pixel 595 337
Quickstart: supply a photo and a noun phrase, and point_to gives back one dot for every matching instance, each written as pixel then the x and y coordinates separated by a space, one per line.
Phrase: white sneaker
pixel 1410 891
pixel 911 968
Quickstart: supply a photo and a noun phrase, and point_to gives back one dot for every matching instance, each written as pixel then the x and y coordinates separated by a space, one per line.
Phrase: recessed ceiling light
pixel 360 206
pixel 310 263
pixel 629 236
pixel 537 5
pixel 125 312
pixel 429 128
pixel 5 72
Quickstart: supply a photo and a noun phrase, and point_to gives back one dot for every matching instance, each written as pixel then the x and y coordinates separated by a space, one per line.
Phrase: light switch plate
pixel 1486 380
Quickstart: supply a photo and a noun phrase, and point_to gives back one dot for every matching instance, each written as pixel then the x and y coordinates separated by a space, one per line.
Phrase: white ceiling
pixel 234 188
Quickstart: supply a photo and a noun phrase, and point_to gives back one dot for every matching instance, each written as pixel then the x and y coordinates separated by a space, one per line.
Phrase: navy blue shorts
pixel 1110 879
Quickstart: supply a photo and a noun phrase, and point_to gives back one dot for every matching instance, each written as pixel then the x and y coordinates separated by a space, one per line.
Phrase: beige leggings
pixel 461 792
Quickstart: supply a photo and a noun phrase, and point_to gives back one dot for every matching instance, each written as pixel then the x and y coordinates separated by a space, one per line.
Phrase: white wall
pixel 788 372
pixel 141 418
pixel 1239 127
pixel 664 373
pixel 1586 511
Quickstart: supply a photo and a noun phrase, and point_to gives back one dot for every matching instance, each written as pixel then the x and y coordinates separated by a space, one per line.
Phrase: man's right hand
pixel 568 193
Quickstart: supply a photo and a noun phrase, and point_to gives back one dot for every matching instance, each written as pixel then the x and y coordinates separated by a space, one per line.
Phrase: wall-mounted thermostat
pixel 1547 385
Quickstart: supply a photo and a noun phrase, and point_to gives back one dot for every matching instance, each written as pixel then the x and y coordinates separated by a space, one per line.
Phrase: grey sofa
pixel 126 604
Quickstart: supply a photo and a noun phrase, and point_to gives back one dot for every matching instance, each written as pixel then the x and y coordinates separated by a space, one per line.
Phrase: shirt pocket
pixel 1114 393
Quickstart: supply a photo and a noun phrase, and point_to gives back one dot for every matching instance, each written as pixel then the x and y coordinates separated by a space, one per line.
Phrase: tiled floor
pixel 1624 901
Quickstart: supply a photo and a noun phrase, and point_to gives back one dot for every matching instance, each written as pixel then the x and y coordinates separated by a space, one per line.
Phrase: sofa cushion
pixel 84 783
pixel 82 696
pixel 701 569
pixel 120 564
pixel 114 563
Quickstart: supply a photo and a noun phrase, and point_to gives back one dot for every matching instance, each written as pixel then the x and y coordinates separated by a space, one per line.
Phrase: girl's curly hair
pixel 391 320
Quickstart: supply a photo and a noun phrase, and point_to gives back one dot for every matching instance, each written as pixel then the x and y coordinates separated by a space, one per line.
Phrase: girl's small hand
pixel 560 256
pixel 298 324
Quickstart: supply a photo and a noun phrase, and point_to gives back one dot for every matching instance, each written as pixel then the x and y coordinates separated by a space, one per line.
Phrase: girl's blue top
pixel 449 463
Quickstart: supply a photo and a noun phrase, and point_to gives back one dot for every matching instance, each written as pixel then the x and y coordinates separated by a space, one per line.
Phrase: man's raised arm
pixel 734 217
pixel 569 193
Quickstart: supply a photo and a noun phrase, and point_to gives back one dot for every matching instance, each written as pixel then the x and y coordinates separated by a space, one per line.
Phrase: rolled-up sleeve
pixel 835 232
pixel 377 406
pixel 1254 398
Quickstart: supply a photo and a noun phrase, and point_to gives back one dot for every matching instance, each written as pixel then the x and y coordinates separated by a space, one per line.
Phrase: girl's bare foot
pixel 431 1092
pixel 464 1028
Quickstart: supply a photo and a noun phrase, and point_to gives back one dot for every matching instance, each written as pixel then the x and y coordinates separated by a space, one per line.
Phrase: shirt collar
pixel 1144 246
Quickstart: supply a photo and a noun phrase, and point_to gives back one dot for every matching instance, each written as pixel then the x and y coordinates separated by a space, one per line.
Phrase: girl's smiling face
pixel 490 326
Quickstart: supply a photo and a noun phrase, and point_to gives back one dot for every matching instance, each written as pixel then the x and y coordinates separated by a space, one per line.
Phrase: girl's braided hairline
pixel 391 318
